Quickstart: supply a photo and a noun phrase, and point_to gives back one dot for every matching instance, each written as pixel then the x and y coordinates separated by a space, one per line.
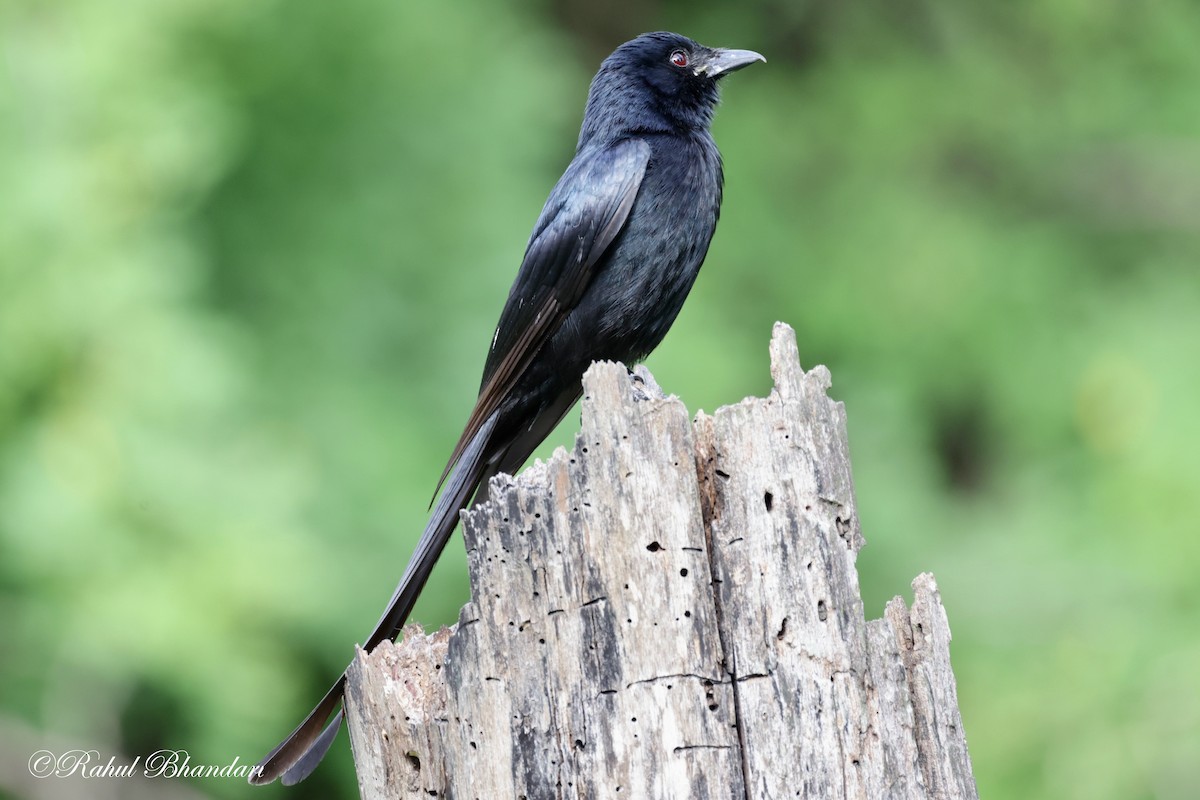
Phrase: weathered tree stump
pixel 671 611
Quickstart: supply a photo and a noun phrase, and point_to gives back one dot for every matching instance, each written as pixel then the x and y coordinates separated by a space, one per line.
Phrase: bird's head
pixel 659 81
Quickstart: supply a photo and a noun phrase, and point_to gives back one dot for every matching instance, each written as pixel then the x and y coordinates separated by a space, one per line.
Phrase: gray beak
pixel 722 61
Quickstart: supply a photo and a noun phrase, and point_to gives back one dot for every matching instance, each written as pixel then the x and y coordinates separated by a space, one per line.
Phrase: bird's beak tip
pixel 723 61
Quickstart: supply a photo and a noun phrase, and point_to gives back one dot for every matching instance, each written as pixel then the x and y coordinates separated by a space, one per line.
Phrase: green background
pixel 251 255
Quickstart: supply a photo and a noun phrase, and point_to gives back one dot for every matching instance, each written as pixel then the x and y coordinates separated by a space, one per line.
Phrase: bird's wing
pixel 583 215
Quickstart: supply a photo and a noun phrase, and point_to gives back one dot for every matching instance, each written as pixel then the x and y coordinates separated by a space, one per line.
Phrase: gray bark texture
pixel 671 610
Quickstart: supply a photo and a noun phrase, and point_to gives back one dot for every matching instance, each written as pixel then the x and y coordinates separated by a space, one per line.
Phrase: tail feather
pixel 316 751
pixel 294 749
pixel 298 755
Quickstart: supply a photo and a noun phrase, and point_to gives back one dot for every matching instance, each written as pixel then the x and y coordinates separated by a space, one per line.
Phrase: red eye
pixel 679 58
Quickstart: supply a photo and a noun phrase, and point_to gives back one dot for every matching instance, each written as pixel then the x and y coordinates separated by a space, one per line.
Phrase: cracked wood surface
pixel 671 610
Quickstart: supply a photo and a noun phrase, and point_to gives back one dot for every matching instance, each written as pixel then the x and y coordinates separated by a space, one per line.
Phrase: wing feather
pixel 585 212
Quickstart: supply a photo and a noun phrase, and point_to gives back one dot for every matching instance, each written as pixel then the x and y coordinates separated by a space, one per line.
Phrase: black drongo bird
pixel 611 259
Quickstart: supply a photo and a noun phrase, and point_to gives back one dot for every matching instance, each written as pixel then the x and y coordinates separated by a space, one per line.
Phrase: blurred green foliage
pixel 251 255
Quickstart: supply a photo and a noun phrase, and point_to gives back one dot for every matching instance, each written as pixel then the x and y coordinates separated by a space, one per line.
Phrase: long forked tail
pixel 298 755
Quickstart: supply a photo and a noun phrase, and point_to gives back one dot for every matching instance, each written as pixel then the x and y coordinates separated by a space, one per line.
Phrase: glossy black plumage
pixel 611 259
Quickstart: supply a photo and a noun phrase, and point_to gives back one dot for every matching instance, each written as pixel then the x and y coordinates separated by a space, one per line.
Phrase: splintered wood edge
pixel 922 635
pixel 789 377
pixel 393 693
